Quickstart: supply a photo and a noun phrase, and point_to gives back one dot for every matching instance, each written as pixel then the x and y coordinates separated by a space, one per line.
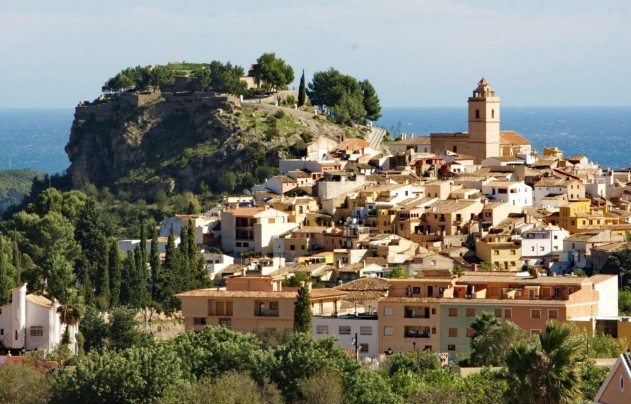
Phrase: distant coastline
pixel 603 134
pixel 34 138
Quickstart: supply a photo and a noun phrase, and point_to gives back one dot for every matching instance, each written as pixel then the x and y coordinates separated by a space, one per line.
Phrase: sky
pixel 414 52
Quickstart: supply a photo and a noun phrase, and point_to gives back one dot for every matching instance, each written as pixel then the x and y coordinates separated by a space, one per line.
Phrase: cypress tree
pixel 87 234
pixel 138 294
pixel 302 311
pixel 143 240
pixel 184 273
pixel 166 283
pixel 103 275
pixel 17 263
pixel 5 279
pixel 154 262
pixel 116 273
pixel 302 90
pixel 129 267
pixel 85 287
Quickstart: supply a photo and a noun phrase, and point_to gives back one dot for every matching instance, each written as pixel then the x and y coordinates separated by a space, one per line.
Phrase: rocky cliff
pixel 177 142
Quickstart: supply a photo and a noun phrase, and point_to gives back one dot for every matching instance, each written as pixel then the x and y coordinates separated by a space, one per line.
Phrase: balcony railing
pixel 266 313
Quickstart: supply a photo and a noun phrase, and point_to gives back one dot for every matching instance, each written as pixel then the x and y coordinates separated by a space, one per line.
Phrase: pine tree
pixel 302 311
pixel 102 285
pixel 154 262
pixel 302 91
pixel 116 272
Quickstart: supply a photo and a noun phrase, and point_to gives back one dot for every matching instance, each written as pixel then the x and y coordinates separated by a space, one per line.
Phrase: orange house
pixel 252 303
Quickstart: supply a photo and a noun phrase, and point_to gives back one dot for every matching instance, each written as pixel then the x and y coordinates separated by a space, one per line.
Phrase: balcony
pixel 417 332
pixel 266 309
pixel 417 312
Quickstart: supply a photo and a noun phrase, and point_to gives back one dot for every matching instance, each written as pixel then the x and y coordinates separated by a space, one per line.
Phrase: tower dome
pixel 483 89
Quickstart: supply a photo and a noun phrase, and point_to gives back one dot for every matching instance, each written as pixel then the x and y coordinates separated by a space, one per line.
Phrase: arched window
pixel 492 113
pixel 477 114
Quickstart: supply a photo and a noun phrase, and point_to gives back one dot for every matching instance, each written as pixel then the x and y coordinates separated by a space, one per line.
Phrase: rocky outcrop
pixel 175 142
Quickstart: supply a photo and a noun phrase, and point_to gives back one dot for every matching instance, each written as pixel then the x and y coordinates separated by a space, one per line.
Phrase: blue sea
pixel 35 138
pixel 603 134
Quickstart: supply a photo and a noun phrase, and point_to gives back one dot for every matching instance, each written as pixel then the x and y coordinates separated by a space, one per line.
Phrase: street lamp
pixel 414 345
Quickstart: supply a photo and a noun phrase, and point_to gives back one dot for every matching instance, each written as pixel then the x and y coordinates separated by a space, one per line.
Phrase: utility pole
pixel 356 345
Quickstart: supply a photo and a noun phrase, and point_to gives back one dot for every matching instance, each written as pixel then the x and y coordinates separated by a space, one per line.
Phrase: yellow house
pixel 499 250
pixel 579 217
pixel 252 303
pixel 297 208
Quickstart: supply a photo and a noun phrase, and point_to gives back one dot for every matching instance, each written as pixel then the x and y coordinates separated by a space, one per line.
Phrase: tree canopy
pixel 346 99
pixel 273 72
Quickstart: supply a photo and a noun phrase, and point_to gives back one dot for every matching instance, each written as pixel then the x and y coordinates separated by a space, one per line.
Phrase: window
pixel 477 114
pixel 388 331
pixel 292 247
pixel 469 332
pixel 225 322
pixel 37 331
pixel 470 312
pixel 553 314
pixel 453 312
pixel 363 347
pixel 199 320
pixel 345 330
pixel 273 305
pixel 498 313
pixel 535 313
pixel 365 330
pixel 451 347
pixel 387 311
pixel 508 313
pixel 570 291
pixel 416 290
pixel 535 332
pixel 453 332
pixel 322 329
pixel 433 310
pixel 531 294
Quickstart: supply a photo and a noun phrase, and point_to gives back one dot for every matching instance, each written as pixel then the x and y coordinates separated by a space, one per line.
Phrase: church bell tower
pixel 484 122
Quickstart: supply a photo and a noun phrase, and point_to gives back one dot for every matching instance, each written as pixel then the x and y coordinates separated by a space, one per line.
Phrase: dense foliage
pixel 15 185
pixel 63 248
pixel 345 98
pixel 274 73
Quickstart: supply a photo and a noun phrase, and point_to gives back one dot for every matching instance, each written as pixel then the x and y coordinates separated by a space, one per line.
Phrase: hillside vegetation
pixel 15 185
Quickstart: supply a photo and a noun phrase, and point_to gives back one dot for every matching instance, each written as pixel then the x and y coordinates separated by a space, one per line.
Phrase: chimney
pixel 309 284
pixel 535 273
pixel 474 267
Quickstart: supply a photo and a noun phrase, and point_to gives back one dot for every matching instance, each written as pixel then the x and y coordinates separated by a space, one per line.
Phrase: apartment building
pixel 409 317
pixel 252 229
pixel 499 250
pixel 252 303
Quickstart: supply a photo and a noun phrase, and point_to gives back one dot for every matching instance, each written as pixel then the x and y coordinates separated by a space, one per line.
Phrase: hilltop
pixel 179 141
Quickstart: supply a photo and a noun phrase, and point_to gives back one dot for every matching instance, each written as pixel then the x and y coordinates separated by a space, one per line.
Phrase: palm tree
pixel 544 370
pixel 69 314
